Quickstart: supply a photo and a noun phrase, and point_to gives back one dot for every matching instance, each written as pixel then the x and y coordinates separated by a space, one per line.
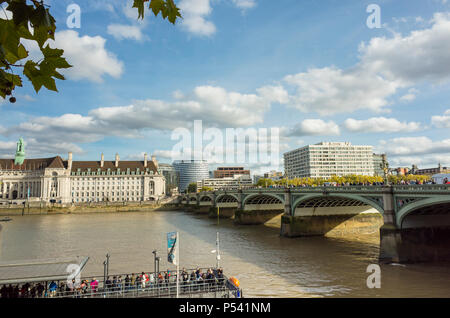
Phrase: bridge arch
pixel 226 198
pixel 260 198
pixel 343 199
pixel 205 198
pixel 420 204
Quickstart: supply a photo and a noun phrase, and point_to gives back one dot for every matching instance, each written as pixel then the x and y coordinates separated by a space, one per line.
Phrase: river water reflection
pixel 266 264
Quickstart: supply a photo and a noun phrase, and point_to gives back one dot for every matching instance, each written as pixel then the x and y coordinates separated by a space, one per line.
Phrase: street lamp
pixel 104 275
pixel 157 264
pixel 154 256
pixel 107 264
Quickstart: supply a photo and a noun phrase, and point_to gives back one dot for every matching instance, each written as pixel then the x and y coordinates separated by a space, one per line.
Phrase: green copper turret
pixel 20 152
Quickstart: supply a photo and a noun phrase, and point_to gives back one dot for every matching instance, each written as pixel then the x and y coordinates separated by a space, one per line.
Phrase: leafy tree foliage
pixel 192 187
pixel 350 179
pixel 31 20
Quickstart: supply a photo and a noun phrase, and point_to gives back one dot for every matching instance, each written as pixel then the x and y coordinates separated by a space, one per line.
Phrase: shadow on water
pixel 321 266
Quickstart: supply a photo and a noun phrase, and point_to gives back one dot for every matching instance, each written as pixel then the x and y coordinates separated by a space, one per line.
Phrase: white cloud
pixel 35 148
pixel 5 14
pixel 194 14
pixel 414 58
pixel 380 125
pixel 442 121
pixel 331 90
pixel 7 146
pixel 133 31
pixel 386 65
pixel 314 127
pixel 244 4
pixel 423 151
pixel 429 160
pixel 122 31
pixel 77 48
pixel 214 105
pixel 88 56
pixel 274 94
pixel 407 146
pixel 410 96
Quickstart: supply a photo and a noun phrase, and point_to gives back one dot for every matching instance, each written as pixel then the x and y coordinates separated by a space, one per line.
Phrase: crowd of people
pixel 196 280
pixel 350 184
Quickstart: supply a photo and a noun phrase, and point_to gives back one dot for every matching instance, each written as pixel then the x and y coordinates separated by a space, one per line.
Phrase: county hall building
pixel 56 180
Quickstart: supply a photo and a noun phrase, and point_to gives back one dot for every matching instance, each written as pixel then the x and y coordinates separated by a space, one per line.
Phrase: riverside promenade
pixel 43 208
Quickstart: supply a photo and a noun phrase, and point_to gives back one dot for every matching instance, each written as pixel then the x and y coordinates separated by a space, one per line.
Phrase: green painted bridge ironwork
pixel 402 209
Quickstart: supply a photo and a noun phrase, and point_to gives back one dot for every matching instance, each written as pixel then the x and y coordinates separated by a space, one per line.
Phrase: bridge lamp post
pixel 385 167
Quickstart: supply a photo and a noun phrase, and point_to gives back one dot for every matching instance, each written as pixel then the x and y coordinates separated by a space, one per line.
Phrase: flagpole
pixel 178 265
pixel 218 253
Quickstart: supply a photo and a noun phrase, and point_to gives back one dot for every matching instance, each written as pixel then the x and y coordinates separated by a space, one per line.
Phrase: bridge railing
pixel 350 188
pixel 423 188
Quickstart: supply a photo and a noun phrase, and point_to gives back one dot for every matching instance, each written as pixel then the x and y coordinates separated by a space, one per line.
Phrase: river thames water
pixel 266 264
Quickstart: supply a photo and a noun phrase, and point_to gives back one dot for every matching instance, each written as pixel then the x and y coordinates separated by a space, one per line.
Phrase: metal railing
pixel 137 286
pixel 339 188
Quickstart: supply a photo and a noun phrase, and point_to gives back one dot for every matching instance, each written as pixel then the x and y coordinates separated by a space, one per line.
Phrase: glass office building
pixel 190 171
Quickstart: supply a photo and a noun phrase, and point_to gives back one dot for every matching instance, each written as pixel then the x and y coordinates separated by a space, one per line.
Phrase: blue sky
pixel 312 68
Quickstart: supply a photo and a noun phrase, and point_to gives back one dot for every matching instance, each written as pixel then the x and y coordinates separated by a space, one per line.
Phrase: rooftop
pixel 38 271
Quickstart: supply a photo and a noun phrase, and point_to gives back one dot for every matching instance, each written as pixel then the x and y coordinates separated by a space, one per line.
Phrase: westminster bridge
pixel 413 220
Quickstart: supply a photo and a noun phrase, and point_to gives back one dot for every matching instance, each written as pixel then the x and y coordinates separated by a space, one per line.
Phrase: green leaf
pixel 9 39
pixel 21 12
pixel 54 57
pixel 58 75
pixel 41 17
pixel 13 57
pixel 172 11
pixel 157 6
pixel 34 75
pixel 49 83
pixel 139 4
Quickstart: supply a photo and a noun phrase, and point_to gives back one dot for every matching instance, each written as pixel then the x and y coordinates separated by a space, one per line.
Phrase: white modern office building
pixel 326 159
pixel 57 180
pixel 190 171
pixel 227 183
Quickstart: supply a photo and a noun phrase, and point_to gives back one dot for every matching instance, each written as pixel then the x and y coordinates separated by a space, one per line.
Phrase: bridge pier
pixel 330 225
pixel 254 217
pixel 413 222
pixel 224 212
pixel 390 235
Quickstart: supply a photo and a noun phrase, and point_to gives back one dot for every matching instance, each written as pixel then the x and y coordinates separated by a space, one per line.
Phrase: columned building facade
pixel 66 181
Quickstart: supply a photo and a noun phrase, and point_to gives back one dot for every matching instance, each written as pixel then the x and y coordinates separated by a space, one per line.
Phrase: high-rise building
pixel 326 159
pixel 190 171
pixel 225 172
pixel 172 178
pixel 379 164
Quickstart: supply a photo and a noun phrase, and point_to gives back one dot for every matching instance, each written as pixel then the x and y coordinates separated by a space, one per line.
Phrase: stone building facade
pixel 66 181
